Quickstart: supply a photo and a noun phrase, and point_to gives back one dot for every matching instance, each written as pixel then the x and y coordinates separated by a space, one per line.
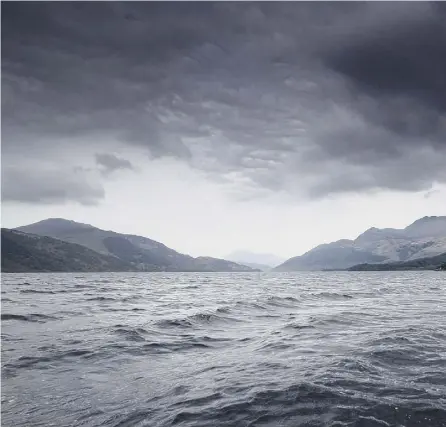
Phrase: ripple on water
pixel 33 317
pixel 333 349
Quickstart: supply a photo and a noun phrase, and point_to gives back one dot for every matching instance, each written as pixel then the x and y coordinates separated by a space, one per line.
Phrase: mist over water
pixel 305 349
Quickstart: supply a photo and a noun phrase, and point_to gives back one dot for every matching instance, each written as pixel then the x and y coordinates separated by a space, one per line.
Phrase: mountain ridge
pixel 425 237
pixel 23 252
pixel 142 252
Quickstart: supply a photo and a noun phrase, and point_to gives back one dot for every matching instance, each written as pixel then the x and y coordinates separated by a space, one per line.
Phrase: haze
pixel 215 127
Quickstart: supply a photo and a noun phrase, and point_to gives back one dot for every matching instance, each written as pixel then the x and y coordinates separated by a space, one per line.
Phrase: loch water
pixel 235 349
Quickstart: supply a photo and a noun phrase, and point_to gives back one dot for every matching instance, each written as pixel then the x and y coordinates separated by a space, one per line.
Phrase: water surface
pixel 307 349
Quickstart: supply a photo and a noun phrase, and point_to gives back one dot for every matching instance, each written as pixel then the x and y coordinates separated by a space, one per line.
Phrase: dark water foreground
pixel 322 349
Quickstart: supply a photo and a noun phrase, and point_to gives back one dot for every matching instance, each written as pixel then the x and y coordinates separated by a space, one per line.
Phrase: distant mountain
pixel 337 255
pixel 425 237
pixel 431 263
pixel 429 226
pixel 140 252
pixel 261 260
pixel 261 267
pixel 216 264
pixel 23 252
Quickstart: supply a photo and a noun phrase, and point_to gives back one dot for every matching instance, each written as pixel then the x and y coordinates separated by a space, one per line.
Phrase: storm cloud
pixel 311 99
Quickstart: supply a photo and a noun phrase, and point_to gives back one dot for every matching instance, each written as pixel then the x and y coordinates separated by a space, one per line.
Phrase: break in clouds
pixel 311 99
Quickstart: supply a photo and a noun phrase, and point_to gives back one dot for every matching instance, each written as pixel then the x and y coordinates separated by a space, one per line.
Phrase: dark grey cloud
pixel 110 163
pixel 308 98
pixel 408 59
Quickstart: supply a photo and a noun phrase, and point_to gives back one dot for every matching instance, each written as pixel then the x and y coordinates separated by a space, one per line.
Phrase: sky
pixel 213 127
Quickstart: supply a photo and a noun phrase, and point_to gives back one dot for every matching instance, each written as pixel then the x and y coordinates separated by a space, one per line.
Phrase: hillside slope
pixel 426 237
pixel 22 252
pixel 431 263
pixel 143 253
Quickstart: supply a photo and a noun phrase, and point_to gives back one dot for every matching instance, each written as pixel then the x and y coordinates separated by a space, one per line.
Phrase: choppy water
pixel 319 349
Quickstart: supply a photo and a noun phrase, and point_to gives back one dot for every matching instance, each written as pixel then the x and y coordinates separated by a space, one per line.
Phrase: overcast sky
pixel 213 127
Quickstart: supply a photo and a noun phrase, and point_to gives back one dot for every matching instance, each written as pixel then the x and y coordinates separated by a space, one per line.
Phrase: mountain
pixel 431 263
pixel 259 260
pixel 426 237
pixel 337 255
pixel 429 226
pixel 255 266
pixel 139 252
pixel 216 264
pixel 23 252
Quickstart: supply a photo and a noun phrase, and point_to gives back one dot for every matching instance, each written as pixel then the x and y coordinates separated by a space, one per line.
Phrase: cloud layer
pixel 109 163
pixel 49 186
pixel 311 99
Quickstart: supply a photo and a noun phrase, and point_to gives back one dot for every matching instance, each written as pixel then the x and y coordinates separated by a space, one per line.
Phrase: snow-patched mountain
pixel 426 237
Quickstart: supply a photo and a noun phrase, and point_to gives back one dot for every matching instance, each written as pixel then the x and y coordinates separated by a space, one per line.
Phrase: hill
pixel 431 263
pixel 23 252
pixel 141 253
pixel 426 237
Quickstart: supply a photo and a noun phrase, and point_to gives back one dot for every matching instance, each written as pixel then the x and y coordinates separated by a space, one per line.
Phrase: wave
pixel 302 404
pixel 101 299
pixel 134 309
pixel 40 291
pixel 275 346
pixel 161 347
pixel 180 345
pixel 298 405
pixel 195 320
pixel 131 298
pixel 282 301
pixel 35 291
pixel 396 356
pixel 130 334
pixel 224 310
pixel 34 317
pixel 294 325
pixel 328 295
pixel 250 305
pixel 11 368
